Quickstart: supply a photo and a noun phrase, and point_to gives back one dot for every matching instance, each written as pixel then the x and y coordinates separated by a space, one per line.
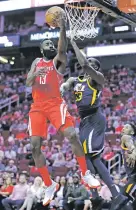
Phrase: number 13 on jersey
pixel 43 80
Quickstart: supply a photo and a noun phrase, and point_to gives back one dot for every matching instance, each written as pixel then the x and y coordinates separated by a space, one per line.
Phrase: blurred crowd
pixel 119 106
pixel 26 192
pixel 15 24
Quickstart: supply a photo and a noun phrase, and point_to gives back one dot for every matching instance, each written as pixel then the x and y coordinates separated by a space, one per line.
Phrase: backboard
pixel 111 7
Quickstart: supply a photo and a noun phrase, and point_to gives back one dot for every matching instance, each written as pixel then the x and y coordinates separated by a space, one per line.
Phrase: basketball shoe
pixel 49 193
pixel 89 179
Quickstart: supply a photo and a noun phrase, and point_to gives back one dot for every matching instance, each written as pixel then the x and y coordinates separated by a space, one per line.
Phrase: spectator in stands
pixel 1 139
pixel 51 130
pixel 105 192
pixel 34 194
pixel 11 138
pixel 59 161
pixel 1 153
pixel 88 205
pixel 58 198
pixel 7 187
pixel 117 179
pixel 110 129
pixel 5 125
pixel 1 180
pixel 70 161
pixel 5 190
pixel 9 153
pixel 119 127
pixel 55 153
pixel 11 167
pixel 21 149
pixel 117 147
pixel 72 171
pixel 75 195
pixel 119 107
pixel 2 166
pixel 47 152
pixel 14 125
pixel 22 126
pixel 65 146
pixel 57 179
pixel 18 195
pixel 5 175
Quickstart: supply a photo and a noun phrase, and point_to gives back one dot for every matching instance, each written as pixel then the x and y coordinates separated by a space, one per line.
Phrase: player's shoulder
pixel 36 60
pixel 75 79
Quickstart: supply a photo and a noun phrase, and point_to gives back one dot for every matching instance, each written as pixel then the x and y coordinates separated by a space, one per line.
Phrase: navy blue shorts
pixel 92 133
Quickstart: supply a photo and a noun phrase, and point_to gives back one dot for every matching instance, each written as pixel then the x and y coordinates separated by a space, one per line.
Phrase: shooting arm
pixel 128 142
pixel 95 75
pixel 61 58
pixel 31 75
pixel 63 43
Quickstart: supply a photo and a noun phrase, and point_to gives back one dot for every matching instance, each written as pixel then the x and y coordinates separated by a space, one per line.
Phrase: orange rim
pixel 69 4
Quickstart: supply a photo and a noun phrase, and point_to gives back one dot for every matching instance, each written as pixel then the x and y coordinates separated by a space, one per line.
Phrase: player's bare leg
pixel 39 158
pixel 77 149
pixel 40 163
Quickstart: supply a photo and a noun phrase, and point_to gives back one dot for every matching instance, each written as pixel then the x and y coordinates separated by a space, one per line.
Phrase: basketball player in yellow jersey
pixel 87 91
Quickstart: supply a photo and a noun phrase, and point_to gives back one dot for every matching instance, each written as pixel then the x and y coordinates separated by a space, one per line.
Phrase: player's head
pixel 94 63
pixel 129 129
pixel 48 49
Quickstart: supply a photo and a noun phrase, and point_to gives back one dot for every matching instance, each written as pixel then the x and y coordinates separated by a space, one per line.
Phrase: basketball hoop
pixel 81 16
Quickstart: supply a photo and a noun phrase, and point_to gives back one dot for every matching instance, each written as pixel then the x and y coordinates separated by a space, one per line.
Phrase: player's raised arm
pixel 87 66
pixel 61 58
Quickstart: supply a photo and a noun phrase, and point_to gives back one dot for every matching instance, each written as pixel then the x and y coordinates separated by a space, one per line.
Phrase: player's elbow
pixel 28 83
pixel 101 79
pixel 84 65
pixel 62 57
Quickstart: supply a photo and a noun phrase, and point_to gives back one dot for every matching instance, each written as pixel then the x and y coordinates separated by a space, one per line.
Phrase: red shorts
pixel 54 110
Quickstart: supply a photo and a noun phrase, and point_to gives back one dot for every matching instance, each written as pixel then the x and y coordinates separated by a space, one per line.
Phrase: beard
pixel 50 54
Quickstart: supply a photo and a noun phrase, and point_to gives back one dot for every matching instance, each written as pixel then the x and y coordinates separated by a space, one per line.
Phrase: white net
pixel 81 17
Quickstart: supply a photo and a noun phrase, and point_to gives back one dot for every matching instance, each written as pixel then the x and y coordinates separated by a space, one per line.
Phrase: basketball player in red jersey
pixel 44 77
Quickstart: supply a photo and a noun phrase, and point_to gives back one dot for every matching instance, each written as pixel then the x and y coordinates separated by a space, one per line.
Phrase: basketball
pixel 52 16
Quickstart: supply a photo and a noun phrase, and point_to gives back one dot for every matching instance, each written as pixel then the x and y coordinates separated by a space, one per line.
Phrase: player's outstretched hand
pixel 131 159
pixel 62 20
pixel 40 72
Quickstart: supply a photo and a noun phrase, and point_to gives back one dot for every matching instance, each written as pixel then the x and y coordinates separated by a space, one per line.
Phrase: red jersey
pixel 48 86
pixel 8 189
